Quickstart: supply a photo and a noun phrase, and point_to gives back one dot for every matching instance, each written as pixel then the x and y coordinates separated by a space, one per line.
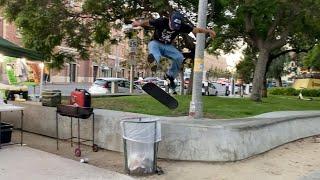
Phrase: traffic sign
pixel 132 60
pixel 133 44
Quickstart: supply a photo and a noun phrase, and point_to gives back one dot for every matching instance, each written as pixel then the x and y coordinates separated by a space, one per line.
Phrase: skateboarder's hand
pixel 212 34
pixel 136 23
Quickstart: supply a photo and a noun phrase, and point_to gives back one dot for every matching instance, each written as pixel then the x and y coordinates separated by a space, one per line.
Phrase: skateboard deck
pixel 160 95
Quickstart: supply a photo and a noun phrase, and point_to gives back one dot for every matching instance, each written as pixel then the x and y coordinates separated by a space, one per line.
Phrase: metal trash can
pixel 141 137
pixel 51 98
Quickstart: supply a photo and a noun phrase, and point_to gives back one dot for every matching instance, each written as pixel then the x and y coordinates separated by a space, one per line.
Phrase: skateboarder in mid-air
pixel 166 30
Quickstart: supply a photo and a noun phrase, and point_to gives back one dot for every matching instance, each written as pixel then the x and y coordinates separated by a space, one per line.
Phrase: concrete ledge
pixel 184 138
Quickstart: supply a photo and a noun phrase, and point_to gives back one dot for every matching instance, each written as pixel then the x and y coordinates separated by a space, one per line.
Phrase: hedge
pixel 294 92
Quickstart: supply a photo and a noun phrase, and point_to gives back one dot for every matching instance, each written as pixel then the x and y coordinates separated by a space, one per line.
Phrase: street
pixel 67 88
pixel 64 88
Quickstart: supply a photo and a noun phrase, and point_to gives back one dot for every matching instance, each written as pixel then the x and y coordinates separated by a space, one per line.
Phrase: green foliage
pixel 46 24
pixel 294 92
pixel 11 77
pixel 246 66
pixel 276 68
pixel 283 91
pixel 311 92
pixel 312 59
pixel 266 26
pixel 218 73
pixel 8 59
pixel 245 69
pixel 299 18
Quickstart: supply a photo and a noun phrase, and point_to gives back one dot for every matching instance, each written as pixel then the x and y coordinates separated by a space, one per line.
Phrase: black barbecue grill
pixel 79 113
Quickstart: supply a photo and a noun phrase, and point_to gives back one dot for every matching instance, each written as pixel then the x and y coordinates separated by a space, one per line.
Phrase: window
pixel 101 82
pixel 124 84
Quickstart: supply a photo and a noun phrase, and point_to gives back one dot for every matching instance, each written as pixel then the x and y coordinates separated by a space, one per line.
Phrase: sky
pixel 233 58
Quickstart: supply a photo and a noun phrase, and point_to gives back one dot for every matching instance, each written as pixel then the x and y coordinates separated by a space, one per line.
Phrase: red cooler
pixel 81 98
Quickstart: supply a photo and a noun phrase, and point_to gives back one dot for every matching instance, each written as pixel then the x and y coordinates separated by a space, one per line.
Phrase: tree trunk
pixel 259 75
pixel 264 87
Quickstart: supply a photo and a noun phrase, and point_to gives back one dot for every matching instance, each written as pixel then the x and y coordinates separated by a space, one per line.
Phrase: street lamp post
pixel 132 52
pixel 196 105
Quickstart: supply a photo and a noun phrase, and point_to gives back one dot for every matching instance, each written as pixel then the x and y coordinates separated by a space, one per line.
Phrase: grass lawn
pixel 214 107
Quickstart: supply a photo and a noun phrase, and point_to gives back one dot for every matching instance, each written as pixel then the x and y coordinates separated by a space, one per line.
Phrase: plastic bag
pixel 143 130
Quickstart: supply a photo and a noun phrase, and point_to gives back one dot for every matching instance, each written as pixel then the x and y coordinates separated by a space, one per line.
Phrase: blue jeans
pixel 158 49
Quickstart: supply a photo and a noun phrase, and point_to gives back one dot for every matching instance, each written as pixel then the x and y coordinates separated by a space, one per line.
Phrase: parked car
pixel 212 90
pixel 150 79
pixel 161 83
pixel 103 86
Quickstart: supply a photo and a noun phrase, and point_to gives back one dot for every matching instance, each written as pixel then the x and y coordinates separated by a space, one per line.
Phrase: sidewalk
pixel 31 164
pixel 297 160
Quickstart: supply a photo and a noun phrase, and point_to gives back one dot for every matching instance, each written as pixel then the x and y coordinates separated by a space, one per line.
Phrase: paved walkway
pixel 30 164
pixel 312 176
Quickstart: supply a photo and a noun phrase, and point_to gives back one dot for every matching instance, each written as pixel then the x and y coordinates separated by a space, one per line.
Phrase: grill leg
pixel 71 129
pixel 93 129
pixel 0 130
pixel 57 131
pixel 21 126
pixel 78 133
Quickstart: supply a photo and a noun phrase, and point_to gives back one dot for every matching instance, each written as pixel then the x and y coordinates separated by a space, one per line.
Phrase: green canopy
pixel 8 48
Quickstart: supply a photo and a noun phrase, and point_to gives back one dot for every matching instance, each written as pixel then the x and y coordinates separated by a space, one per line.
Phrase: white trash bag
pixel 141 135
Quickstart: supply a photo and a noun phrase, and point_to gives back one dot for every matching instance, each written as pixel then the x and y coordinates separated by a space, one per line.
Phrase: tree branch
pixel 280 42
pixel 275 23
pixel 274 56
pixel 249 28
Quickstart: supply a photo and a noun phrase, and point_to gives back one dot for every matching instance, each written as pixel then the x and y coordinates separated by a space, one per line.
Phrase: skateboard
pixel 160 95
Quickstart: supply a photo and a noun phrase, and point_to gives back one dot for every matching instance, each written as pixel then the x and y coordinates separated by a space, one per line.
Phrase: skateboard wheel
pixel 95 148
pixel 77 152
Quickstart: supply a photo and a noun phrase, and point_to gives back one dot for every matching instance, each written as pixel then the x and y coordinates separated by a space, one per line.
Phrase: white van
pixel 211 89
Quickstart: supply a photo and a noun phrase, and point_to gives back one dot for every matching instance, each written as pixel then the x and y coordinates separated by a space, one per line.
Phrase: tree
pixel 312 59
pixel 245 67
pixel 267 26
pixel 276 68
pixel 77 24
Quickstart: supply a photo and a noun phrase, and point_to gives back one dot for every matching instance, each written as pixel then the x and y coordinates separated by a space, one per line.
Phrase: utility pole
pixel 196 105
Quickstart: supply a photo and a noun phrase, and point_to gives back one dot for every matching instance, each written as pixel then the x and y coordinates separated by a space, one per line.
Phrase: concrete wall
pixel 184 138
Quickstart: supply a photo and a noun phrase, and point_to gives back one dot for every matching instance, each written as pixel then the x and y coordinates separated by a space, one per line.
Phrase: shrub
pixel 294 92
pixel 311 92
